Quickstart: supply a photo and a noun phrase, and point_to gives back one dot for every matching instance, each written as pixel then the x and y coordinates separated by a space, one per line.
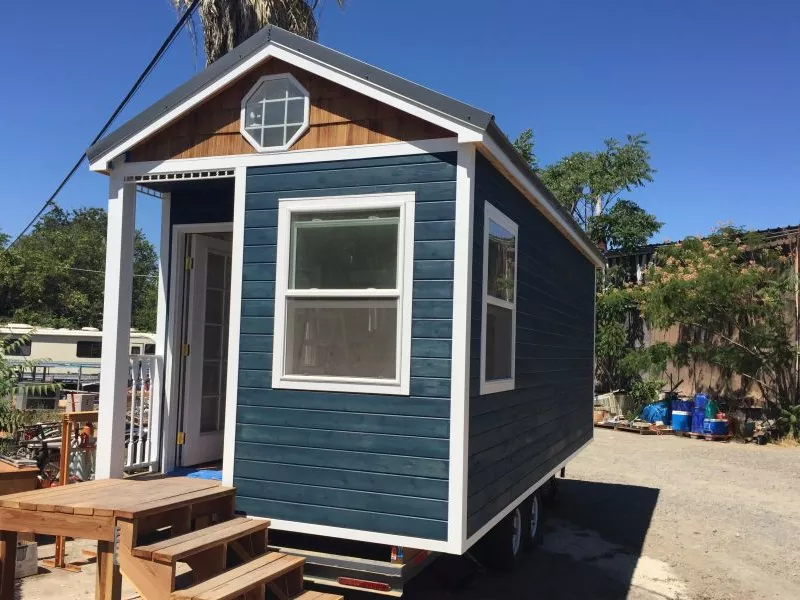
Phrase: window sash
pixel 404 201
pixel 491 386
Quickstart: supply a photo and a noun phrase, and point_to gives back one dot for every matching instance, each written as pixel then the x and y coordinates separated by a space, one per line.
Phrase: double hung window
pixel 343 294
pixel 499 319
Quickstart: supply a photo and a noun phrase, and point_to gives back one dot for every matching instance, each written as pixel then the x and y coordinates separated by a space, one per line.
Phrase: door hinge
pixel 181 438
pixel 189 263
pixel 185 350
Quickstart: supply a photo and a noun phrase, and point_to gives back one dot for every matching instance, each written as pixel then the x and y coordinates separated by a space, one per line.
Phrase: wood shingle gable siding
pixel 377 463
pixel 339 117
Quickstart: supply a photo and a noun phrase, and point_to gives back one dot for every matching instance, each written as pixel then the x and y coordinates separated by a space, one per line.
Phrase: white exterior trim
pixel 234 328
pixel 491 213
pixel 566 226
pixel 459 378
pixel 404 201
pixel 306 112
pixel 363 536
pixel 172 357
pixel 272 49
pixel 232 161
pixel 117 300
pixel 499 517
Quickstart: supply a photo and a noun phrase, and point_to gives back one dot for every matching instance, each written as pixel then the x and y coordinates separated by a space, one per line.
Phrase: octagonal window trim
pixel 254 135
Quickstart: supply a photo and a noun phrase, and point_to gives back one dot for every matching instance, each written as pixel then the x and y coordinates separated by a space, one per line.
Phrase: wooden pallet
pixel 705 436
pixel 639 430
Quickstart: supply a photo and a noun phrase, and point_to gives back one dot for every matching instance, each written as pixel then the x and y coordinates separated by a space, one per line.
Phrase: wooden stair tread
pixel 179 547
pixel 312 595
pixel 240 580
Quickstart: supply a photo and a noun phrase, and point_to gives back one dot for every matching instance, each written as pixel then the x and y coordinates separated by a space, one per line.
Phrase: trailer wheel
pixel 503 546
pixel 533 521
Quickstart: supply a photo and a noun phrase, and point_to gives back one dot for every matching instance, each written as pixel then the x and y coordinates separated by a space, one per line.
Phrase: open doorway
pixel 204 326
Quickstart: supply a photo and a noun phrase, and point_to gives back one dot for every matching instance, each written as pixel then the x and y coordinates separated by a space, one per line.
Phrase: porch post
pixel 114 363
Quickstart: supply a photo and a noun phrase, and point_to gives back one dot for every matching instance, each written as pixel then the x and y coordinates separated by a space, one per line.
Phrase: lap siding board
pixel 519 436
pixel 356 461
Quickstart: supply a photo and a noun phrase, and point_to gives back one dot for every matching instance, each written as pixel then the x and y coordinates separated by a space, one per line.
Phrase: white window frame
pixel 306 114
pixel 494 386
pixel 404 201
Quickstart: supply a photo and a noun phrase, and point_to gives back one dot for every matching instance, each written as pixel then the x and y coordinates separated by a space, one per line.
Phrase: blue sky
pixel 714 85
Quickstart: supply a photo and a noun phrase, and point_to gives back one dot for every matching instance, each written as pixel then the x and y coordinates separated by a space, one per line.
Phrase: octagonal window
pixel 275 112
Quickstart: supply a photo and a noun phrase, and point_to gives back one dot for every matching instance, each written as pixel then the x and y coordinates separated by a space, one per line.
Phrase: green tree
pixel 54 276
pixel 590 186
pixel 227 23
pixel 730 293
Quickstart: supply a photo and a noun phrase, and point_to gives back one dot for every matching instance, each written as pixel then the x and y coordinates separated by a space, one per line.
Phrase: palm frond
pixel 227 23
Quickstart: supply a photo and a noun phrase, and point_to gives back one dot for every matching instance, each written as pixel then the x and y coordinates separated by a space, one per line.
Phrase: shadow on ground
pixel 593 540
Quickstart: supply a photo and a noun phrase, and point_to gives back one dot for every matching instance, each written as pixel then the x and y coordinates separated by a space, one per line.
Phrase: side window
pixel 136 350
pixel 16 347
pixel 499 318
pixel 150 349
pixel 89 349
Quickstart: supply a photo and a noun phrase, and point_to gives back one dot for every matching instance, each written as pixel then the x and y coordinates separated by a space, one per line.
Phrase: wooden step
pixel 244 578
pixel 178 548
pixel 312 595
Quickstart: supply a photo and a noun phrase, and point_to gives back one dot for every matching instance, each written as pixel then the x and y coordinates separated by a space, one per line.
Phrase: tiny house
pixel 371 311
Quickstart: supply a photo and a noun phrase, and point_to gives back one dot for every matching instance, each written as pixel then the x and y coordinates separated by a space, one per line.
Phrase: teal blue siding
pixel 367 462
pixel 517 437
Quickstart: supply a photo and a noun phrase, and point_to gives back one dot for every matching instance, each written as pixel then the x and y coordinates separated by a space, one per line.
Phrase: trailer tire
pixel 503 546
pixel 534 526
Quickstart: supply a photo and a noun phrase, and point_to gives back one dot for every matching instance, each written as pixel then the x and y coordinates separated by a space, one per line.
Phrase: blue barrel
pixel 715 426
pixel 682 414
pixel 699 416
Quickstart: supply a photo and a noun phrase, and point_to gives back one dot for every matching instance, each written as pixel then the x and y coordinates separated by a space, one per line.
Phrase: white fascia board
pixel 234 161
pixel 542 203
pixel 272 49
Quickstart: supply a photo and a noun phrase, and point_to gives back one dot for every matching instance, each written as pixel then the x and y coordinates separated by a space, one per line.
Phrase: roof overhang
pixel 466 122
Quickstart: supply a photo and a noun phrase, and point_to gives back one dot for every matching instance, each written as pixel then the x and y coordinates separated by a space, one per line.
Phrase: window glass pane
pixel 252 115
pixel 274 113
pixel 212 344
pixel 498 342
pixel 295 111
pixel 501 263
pixel 211 376
pixel 290 131
pixel 341 338
pixel 149 348
pixel 272 136
pixel 136 350
pixel 209 410
pixel 88 349
pixel 214 306
pixel 344 250
pixel 14 347
pixel 272 89
pixel 215 277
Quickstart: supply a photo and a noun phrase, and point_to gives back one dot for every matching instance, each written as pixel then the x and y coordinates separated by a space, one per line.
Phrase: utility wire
pixel 151 65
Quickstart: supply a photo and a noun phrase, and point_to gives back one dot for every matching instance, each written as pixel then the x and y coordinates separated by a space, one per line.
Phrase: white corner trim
pixel 292 157
pixel 555 216
pixel 404 201
pixel 237 260
pixel 485 529
pixel 306 112
pixel 459 379
pixel 490 213
pixel 291 56
pixel 372 537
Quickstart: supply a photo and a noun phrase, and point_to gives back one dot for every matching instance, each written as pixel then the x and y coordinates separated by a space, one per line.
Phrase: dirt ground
pixel 638 518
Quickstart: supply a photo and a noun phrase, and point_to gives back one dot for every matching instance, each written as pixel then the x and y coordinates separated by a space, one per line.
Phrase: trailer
pixel 371 310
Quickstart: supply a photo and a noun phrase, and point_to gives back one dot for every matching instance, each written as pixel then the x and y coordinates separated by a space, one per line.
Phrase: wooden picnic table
pixel 100 510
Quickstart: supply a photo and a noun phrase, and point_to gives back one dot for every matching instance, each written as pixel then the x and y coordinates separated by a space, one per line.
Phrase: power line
pixel 151 65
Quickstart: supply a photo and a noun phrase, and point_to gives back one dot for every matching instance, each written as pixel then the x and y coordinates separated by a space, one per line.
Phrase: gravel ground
pixel 638 518
pixel 648 518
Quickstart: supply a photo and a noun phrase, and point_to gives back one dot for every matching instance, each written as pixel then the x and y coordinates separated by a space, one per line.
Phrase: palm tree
pixel 227 23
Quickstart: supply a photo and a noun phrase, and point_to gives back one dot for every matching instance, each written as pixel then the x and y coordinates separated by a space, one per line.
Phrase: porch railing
pixel 142 431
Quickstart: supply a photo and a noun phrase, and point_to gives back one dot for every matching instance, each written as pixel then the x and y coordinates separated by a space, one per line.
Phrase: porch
pixel 160 412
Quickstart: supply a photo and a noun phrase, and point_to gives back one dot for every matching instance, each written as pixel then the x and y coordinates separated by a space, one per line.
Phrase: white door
pixel 207 337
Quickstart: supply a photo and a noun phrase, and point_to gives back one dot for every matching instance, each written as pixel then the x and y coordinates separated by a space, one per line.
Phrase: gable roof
pixel 454 111
pixel 468 123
